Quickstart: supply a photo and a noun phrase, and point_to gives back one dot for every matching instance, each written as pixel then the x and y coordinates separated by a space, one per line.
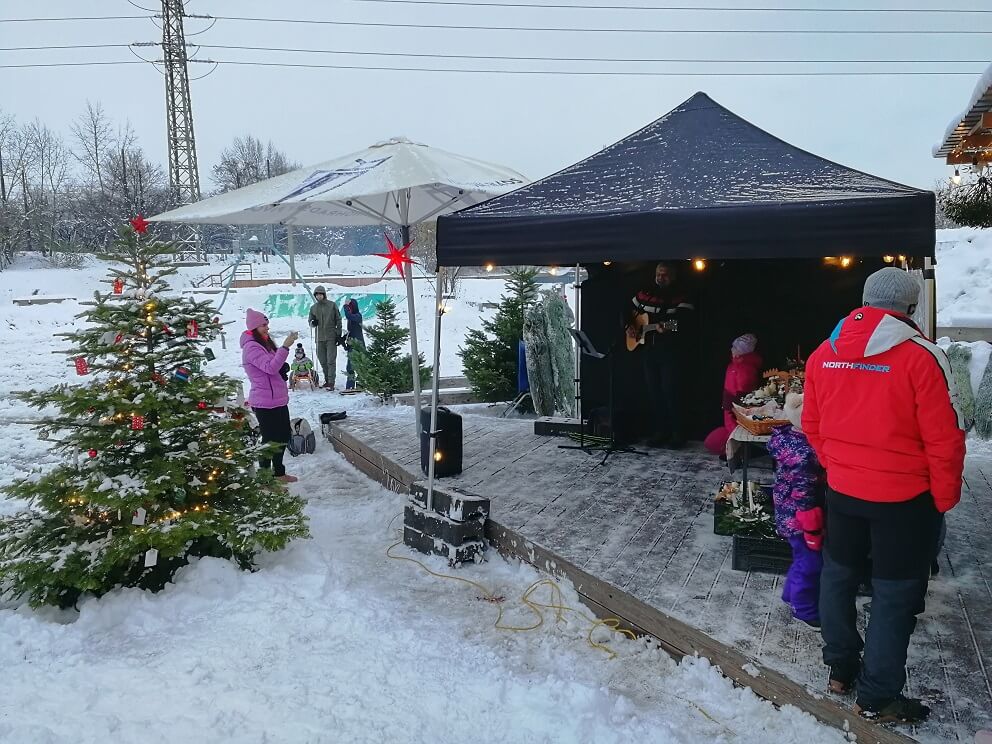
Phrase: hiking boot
pixel 842 677
pixel 899 710
pixel 287 478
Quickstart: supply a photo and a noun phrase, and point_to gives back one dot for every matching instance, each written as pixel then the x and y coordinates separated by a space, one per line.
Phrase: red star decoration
pixel 396 256
pixel 140 225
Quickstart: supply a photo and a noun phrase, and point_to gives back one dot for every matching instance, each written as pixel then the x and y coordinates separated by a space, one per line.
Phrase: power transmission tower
pixel 184 178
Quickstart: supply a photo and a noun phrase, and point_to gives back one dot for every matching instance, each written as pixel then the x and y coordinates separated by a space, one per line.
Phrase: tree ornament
pixel 397 257
pixel 118 286
pixel 82 366
pixel 118 338
pixel 137 422
pixel 140 225
pixel 156 377
pixel 202 405
pixel 181 374
pixel 194 364
pixel 192 329
pixel 92 453
pixel 208 354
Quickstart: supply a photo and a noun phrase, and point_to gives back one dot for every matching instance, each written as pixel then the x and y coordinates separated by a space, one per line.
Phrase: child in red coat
pixel 743 375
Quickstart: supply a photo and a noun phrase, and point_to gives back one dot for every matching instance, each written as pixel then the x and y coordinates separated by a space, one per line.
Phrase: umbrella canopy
pixel 700 182
pixel 397 182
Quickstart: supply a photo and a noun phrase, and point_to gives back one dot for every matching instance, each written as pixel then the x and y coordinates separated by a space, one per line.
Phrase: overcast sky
pixel 534 123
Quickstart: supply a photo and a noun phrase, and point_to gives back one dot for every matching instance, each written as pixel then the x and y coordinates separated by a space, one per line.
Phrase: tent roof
pixel 698 182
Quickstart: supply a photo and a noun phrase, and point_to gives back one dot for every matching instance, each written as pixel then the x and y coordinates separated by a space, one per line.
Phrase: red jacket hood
pixel 869 331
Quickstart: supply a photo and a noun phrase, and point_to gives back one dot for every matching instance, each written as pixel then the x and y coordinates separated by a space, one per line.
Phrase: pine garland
pixel 153 474
pixel 968 204
pixel 959 357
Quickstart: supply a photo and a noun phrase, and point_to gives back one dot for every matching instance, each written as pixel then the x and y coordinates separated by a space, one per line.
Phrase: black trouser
pixel 901 539
pixel 274 423
pixel 661 378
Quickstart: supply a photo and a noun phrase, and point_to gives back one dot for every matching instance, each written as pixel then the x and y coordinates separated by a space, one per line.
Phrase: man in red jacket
pixel 880 412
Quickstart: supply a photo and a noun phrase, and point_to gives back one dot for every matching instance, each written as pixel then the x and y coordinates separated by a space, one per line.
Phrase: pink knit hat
pixel 254 319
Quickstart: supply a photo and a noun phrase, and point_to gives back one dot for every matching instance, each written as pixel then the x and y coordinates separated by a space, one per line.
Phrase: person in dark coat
pixel 798 493
pixel 664 353
pixel 356 337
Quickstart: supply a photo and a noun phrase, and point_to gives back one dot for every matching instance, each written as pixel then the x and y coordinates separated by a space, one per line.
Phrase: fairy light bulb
pixel 699 264
pixel 845 261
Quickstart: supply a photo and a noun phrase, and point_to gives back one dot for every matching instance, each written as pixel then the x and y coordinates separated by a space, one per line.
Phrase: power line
pixel 76 18
pixel 513 58
pixel 558 6
pixel 73 64
pixel 636 73
pixel 63 46
pixel 620 73
pixel 455 27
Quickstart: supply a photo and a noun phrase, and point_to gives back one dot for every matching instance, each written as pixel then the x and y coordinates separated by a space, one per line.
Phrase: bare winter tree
pixel 94 135
pixel 248 161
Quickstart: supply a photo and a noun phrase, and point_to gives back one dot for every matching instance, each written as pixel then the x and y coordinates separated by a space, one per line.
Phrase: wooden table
pixel 741 440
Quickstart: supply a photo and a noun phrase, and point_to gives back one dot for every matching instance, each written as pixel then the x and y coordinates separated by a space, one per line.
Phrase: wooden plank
pixel 680 639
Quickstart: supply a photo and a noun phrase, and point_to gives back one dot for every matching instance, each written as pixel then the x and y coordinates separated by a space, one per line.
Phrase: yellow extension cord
pixel 556 604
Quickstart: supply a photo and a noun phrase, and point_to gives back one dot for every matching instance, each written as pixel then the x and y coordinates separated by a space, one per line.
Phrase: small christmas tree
pixel 157 471
pixel 489 356
pixel 379 366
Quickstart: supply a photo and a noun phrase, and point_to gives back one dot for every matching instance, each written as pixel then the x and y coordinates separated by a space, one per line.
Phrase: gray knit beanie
pixel 891 289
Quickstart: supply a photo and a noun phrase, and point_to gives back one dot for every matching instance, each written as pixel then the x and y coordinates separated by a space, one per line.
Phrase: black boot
pixel 900 710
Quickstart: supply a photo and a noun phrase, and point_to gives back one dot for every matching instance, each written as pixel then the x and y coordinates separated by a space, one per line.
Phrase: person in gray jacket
pixel 326 318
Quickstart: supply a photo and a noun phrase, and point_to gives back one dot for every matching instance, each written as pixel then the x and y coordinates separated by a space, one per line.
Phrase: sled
pixel 303 378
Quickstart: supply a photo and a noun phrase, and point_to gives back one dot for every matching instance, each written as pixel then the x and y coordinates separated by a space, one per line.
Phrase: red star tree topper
pixel 140 225
pixel 397 256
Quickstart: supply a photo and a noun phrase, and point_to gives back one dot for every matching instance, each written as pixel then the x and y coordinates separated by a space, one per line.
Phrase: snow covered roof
pixel 964 123
pixel 700 182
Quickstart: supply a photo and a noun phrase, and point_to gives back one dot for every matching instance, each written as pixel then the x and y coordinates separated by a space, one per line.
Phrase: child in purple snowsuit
pixel 797 494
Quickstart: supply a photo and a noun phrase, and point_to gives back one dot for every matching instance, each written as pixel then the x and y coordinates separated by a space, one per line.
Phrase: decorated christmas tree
pixel 489 355
pixel 160 465
pixel 379 366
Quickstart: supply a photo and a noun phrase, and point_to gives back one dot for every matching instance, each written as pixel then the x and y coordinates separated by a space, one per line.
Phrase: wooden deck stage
pixel 635 537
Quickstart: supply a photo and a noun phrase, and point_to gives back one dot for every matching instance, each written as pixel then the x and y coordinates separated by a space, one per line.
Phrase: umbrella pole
pixel 435 386
pixel 291 248
pixel 414 352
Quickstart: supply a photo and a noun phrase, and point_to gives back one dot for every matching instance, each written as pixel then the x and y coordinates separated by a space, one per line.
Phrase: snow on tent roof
pixel 698 182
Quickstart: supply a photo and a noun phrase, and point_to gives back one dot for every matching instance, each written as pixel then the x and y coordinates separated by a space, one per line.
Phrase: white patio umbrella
pixel 398 183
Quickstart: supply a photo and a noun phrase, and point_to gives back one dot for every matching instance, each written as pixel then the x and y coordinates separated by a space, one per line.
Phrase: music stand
pixel 586 347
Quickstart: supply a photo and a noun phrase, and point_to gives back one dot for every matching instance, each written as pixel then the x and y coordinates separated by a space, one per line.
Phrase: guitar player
pixel 663 352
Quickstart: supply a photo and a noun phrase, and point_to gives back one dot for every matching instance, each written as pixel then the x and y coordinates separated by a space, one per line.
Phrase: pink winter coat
pixel 743 375
pixel 268 389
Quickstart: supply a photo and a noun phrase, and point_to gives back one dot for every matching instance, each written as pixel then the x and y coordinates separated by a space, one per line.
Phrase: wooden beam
pixel 984 122
pixel 605 600
pixel 974 142
pixel 967 158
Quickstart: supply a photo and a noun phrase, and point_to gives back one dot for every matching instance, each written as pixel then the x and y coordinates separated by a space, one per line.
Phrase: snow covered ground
pixel 964 278
pixel 331 640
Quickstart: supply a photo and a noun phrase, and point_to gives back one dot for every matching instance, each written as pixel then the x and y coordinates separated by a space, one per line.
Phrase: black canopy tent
pixel 702 183
pixel 698 182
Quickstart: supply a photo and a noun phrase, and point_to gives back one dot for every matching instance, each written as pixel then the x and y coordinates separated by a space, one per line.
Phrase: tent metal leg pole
pixel 930 287
pixel 414 352
pixel 291 249
pixel 435 389
pixel 578 351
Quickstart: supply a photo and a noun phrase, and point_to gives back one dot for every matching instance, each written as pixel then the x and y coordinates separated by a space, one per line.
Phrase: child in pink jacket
pixel 742 376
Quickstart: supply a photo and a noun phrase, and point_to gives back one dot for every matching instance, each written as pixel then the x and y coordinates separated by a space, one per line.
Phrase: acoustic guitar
pixel 638 329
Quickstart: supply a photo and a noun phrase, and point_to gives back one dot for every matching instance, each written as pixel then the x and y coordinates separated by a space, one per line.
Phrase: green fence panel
pixel 292 305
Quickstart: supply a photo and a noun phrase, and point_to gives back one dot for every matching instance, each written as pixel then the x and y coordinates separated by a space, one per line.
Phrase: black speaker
pixel 448 450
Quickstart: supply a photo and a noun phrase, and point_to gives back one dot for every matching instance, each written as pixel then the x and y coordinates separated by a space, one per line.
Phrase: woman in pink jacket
pixel 264 364
pixel 743 375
